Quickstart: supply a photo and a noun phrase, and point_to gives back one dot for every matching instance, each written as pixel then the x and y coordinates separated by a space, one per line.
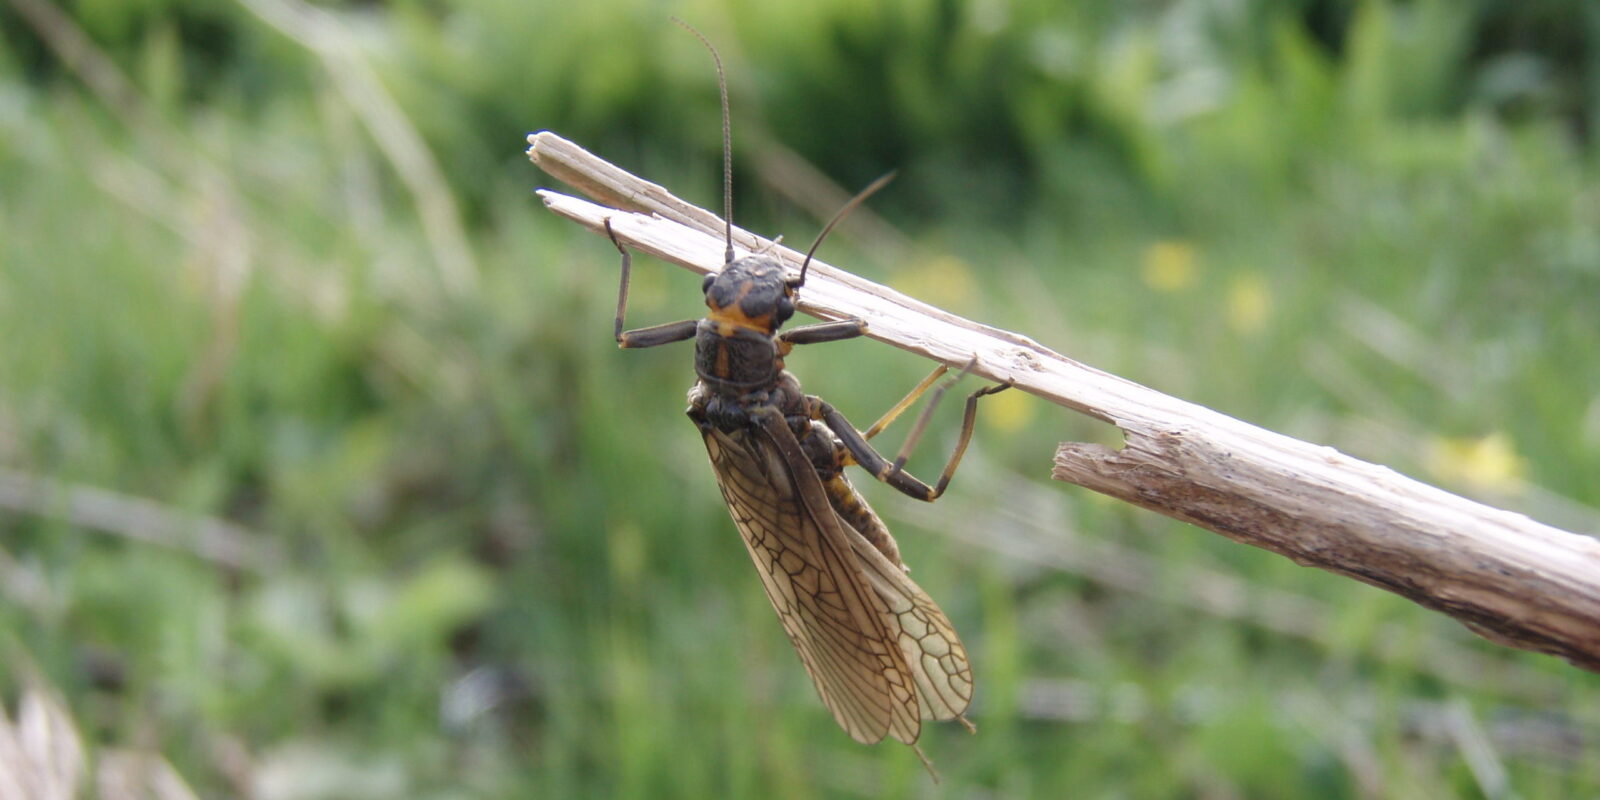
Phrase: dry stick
pixel 1508 578
pixel 1025 520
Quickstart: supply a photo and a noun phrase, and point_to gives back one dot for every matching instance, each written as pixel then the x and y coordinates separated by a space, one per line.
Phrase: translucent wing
pixel 808 562
pixel 937 659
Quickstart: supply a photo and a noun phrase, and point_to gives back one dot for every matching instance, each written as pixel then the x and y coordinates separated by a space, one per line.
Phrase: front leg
pixel 642 337
pixel 824 332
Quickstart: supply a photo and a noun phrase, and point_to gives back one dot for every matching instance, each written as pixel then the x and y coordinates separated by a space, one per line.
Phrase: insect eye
pixel 784 311
pixel 705 285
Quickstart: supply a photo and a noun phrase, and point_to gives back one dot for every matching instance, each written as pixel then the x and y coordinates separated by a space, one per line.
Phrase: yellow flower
pixel 1170 266
pixel 1008 411
pixel 627 552
pixel 1249 303
pixel 943 280
pixel 1487 462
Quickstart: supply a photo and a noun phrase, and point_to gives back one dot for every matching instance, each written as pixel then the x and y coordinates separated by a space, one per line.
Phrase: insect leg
pixel 824 332
pixel 969 417
pixel 905 402
pixel 893 472
pixel 658 334
pixel 642 337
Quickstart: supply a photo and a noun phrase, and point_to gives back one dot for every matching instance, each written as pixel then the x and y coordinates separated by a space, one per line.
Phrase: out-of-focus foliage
pixel 279 268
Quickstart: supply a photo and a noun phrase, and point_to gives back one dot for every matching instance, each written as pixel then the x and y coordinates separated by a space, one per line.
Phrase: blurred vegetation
pixel 280 269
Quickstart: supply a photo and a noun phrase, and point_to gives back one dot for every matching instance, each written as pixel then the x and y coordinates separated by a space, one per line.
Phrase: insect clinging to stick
pixel 882 655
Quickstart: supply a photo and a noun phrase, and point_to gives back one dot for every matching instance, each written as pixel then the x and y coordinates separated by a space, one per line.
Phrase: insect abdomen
pixel 853 509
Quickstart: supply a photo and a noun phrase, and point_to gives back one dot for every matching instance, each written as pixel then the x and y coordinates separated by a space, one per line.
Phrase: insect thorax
pixel 709 405
pixel 735 361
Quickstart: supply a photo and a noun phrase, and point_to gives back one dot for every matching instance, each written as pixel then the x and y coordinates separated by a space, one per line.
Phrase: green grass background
pixel 488 558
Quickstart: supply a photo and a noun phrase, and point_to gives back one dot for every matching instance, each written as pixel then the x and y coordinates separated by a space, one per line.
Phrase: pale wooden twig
pixel 1022 519
pixel 1510 579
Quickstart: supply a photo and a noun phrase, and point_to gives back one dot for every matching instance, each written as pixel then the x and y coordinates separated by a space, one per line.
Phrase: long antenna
pixel 727 146
pixel 848 207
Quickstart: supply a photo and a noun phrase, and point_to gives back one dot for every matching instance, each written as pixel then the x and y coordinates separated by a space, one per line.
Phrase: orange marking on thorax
pixel 732 317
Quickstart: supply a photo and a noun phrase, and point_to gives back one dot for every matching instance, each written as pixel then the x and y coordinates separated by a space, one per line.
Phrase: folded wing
pixel 871 639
